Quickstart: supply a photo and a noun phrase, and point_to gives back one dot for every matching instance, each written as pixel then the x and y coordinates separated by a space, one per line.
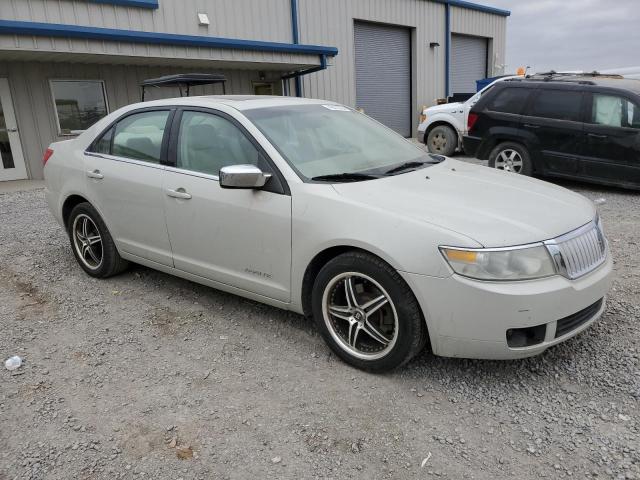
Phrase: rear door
pixel 124 179
pixel 552 124
pixel 612 146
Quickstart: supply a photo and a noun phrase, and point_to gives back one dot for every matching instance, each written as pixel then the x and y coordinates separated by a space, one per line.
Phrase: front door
pixel 238 237
pixel 11 160
pixel 612 146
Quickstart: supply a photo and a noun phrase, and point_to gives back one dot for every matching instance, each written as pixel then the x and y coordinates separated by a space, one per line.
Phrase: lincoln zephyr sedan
pixel 310 206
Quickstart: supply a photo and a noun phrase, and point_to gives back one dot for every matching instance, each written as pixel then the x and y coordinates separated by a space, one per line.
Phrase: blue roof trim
pixel 16 27
pixel 131 3
pixel 476 6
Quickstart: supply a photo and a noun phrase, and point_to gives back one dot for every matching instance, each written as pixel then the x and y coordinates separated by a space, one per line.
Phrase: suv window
pixel 509 100
pixel 139 136
pixel 557 104
pixel 208 142
pixel 614 111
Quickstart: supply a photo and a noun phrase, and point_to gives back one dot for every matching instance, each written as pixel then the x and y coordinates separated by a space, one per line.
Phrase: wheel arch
pixel 442 123
pixel 69 204
pixel 321 259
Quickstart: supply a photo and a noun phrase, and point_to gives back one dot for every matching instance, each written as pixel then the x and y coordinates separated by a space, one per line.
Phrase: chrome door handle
pixel 95 174
pixel 179 193
pixel 12 130
pixel 596 135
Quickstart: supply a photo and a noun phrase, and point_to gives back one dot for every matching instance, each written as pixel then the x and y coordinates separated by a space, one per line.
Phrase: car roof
pixel 239 102
pixel 602 81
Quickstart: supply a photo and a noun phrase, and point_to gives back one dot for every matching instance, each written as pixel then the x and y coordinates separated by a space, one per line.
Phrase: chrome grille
pixel 579 252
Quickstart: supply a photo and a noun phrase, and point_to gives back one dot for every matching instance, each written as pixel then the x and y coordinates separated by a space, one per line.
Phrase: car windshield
pixel 328 140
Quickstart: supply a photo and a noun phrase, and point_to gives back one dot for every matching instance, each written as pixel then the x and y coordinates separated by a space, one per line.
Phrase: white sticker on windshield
pixel 337 108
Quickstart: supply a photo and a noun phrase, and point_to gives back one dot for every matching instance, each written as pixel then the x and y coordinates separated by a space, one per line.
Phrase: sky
pixel 571 34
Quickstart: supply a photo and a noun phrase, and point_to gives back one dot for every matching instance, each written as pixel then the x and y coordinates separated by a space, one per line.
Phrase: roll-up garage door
pixel 383 74
pixel 468 62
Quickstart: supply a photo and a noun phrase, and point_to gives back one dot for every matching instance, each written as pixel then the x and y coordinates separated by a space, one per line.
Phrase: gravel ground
pixel 149 376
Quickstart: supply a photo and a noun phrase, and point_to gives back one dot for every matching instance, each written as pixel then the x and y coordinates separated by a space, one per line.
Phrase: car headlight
pixel 519 263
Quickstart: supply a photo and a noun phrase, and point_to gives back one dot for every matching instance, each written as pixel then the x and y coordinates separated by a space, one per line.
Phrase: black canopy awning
pixel 185 80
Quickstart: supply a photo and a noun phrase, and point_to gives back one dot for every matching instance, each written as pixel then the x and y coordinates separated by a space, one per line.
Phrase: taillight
pixel 471 121
pixel 47 155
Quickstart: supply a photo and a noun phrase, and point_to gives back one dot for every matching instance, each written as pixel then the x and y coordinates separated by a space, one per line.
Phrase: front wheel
pixel 366 312
pixel 442 140
pixel 511 157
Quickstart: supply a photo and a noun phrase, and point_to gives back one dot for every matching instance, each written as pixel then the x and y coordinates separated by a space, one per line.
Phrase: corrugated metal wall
pixel 266 20
pixel 29 84
pixel 481 24
pixel 331 21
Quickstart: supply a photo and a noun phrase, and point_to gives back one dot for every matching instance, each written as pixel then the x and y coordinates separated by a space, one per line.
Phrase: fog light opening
pixel 525 337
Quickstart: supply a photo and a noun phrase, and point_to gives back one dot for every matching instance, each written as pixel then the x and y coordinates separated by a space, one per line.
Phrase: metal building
pixel 66 63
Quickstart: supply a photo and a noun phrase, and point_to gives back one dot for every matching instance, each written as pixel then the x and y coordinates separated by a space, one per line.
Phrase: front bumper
pixel 469 319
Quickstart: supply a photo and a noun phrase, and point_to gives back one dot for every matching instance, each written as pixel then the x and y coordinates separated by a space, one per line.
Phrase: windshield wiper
pixel 345 177
pixel 405 166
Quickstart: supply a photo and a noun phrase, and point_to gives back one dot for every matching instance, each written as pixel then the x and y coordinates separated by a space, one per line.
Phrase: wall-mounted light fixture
pixel 434 45
pixel 203 19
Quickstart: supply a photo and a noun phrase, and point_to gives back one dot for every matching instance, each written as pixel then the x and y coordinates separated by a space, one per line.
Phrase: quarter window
pixel 557 104
pixel 207 142
pixel 79 104
pixel 104 144
pixel 509 100
pixel 614 111
pixel 139 136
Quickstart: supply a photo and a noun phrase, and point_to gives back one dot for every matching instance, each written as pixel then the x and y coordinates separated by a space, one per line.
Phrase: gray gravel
pixel 149 376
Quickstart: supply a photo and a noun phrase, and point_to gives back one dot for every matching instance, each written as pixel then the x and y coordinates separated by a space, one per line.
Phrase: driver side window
pixel 208 142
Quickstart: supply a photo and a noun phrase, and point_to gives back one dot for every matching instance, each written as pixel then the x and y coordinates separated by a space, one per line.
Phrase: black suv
pixel 583 127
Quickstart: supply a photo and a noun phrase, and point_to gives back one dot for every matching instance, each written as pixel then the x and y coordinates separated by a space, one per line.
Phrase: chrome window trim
pixel 132 161
pixel 192 173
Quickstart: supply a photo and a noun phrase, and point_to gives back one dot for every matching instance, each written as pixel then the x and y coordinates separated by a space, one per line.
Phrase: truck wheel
pixel 511 157
pixel 442 140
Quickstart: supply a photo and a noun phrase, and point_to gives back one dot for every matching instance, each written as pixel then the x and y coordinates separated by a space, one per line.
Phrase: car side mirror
pixel 243 176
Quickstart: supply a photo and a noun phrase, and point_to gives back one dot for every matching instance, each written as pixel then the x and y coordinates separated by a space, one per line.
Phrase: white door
pixel 124 178
pixel 238 237
pixel 11 159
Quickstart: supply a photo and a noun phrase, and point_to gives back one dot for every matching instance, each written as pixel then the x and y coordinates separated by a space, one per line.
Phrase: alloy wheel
pixel 87 241
pixel 509 160
pixel 360 315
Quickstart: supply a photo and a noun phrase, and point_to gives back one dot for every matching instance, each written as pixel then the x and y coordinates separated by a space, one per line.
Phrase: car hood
pixel 494 208
pixel 445 107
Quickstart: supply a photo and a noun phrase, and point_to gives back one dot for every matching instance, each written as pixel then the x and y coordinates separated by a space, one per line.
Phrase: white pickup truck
pixel 444 125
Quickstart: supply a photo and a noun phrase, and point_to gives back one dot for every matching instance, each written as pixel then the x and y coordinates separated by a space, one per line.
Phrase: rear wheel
pixel 92 244
pixel 442 140
pixel 366 312
pixel 511 157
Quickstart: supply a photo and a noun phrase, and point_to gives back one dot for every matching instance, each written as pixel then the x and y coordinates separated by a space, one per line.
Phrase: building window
pixel 79 104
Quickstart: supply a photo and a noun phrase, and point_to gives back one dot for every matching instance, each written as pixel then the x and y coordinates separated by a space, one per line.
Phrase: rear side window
pixel 614 111
pixel 509 100
pixel 139 136
pixel 557 104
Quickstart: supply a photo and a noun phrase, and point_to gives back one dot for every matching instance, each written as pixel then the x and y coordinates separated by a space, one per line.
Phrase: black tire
pixel 508 148
pixel 407 339
pixel 442 140
pixel 103 249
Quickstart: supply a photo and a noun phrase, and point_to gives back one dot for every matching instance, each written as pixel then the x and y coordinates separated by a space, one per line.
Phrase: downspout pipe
pixel 447 49
pixel 295 33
